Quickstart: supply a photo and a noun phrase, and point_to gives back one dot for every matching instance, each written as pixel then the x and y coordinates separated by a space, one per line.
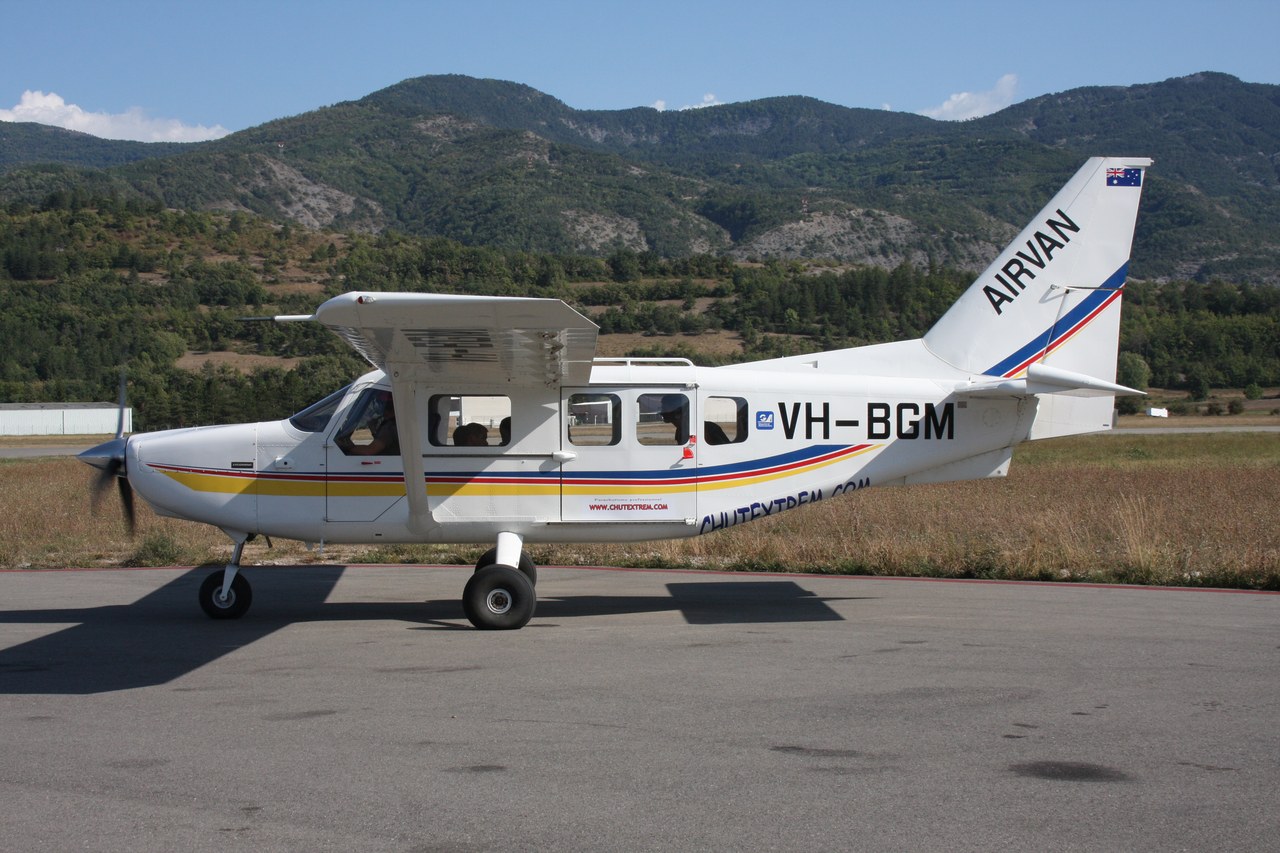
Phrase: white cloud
pixel 708 100
pixel 964 105
pixel 50 108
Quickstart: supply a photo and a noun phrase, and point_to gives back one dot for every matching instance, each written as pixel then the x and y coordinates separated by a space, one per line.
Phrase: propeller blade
pixel 126 502
pixel 108 458
pixel 100 485
pixel 124 392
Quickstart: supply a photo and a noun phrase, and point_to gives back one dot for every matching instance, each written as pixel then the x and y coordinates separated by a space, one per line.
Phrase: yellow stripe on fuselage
pixel 230 484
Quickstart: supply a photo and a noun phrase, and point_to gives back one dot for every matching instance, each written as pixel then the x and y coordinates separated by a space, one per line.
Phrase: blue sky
pixel 145 69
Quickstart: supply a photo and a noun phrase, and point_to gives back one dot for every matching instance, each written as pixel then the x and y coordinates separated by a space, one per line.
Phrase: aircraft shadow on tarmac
pixel 164 636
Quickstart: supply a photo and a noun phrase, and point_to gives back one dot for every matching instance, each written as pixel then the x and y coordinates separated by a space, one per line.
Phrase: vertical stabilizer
pixel 1053 283
pixel 1053 296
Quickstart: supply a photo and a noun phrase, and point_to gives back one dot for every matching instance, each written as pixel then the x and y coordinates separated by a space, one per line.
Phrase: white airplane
pixel 488 419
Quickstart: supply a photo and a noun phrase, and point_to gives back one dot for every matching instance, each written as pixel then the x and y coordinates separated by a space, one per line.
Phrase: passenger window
pixel 595 420
pixel 469 420
pixel 725 420
pixel 664 419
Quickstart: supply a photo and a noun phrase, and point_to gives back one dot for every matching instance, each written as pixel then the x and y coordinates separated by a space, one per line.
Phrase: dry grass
pixel 240 362
pixel 1173 509
pixel 47 521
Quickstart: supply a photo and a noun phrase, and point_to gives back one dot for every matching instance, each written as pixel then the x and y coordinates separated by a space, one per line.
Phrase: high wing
pixel 484 340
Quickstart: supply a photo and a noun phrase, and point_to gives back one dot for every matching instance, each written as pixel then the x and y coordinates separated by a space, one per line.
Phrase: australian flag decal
pixel 1124 177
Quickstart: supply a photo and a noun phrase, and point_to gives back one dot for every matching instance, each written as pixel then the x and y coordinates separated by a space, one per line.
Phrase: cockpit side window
pixel 315 418
pixel 370 428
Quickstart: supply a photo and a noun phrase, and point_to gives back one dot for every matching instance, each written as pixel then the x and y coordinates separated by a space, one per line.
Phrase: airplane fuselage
pixel 594 463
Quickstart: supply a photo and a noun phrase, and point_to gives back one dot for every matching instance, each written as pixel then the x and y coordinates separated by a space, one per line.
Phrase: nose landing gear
pixel 225 594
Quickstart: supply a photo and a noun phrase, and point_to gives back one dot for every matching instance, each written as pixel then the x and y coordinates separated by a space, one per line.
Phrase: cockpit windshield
pixel 315 418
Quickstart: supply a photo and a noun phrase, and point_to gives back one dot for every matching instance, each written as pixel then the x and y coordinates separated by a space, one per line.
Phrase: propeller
pixel 109 458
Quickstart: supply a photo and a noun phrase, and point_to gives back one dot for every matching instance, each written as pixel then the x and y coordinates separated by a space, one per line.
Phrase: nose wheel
pixel 225 594
pixel 231 605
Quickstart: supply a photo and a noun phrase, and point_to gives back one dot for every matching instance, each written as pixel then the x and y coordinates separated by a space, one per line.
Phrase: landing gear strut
pixel 526 566
pixel 500 596
pixel 225 594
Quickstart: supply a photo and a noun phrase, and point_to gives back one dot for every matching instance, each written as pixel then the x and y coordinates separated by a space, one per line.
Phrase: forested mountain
pixel 499 164
pixel 678 232
pixel 26 143
pixel 88 285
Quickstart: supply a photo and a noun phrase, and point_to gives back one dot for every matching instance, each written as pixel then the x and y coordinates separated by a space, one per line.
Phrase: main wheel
pixel 498 598
pixel 490 558
pixel 235 605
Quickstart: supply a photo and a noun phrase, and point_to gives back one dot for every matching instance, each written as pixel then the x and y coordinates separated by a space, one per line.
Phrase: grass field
pixel 1191 510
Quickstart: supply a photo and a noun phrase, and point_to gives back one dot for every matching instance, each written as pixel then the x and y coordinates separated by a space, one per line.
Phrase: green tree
pixel 1132 371
pixel 1198 385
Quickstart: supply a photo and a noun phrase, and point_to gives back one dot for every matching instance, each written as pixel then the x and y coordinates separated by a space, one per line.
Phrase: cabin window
pixel 595 420
pixel 370 427
pixel 724 420
pixel 664 419
pixel 315 418
pixel 469 420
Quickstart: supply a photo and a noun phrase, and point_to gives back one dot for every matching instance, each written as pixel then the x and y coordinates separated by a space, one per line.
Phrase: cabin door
pixel 633 458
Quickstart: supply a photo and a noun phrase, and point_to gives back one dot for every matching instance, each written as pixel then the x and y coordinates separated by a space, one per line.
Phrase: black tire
pixel 499 598
pixel 239 597
pixel 490 558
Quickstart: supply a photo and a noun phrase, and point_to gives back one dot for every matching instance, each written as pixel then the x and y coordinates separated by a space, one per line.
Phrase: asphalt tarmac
pixel 355 709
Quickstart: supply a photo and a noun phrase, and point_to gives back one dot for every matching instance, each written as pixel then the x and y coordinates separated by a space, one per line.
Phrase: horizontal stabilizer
pixel 1043 379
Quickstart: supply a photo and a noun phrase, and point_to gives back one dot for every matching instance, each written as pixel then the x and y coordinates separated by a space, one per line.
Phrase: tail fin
pixel 1052 298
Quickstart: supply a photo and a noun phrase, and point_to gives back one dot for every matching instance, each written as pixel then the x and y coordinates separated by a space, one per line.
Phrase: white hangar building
pixel 62 418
